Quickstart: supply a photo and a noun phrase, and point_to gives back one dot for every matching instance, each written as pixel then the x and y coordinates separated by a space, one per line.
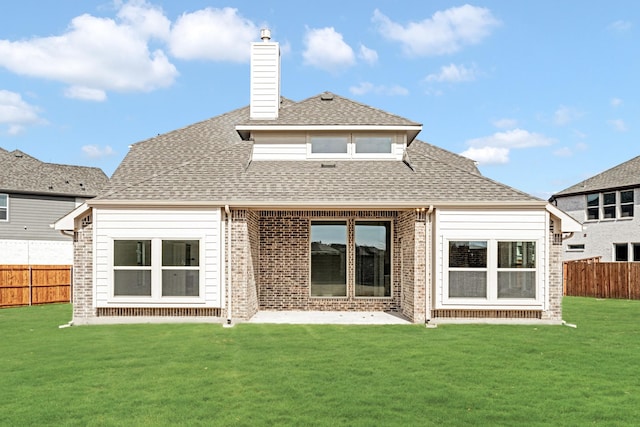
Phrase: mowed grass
pixel 196 374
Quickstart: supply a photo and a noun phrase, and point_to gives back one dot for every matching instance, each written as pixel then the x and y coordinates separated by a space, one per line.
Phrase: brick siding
pixel 83 271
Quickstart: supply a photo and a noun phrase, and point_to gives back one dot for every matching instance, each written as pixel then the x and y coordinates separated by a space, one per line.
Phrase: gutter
pixel 428 286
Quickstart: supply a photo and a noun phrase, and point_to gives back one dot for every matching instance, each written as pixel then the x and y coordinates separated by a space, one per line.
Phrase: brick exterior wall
pixel 555 289
pixel 284 267
pixel 244 261
pixel 83 271
pixel 411 228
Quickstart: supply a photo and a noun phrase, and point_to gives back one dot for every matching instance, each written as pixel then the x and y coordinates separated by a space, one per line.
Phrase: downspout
pixel 427 271
pixel 229 275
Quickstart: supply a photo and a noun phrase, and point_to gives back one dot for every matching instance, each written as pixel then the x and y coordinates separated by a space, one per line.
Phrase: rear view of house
pixel 321 204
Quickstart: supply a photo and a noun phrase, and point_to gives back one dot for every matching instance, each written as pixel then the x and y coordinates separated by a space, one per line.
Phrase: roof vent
pixel 327 165
pixel 265 34
pixel 327 96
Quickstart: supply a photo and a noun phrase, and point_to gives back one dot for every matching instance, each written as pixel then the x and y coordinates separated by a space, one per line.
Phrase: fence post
pixel 30 285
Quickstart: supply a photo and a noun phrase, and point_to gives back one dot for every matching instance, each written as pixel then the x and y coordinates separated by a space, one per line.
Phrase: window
pixel 636 252
pixel 350 146
pixel 491 271
pixel 593 206
pixel 4 207
pixel 626 204
pixel 366 243
pixel 468 269
pixel 132 267
pixel 373 258
pixel 621 251
pixel 180 272
pixel 516 270
pixel 610 205
pixel 329 258
pixel 578 247
pixel 156 268
pixel 373 144
pixel 329 145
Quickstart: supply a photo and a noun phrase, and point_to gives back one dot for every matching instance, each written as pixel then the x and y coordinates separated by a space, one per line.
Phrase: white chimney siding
pixel 265 79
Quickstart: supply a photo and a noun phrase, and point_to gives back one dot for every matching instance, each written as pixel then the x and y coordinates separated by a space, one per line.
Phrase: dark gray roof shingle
pixel 626 174
pixel 21 173
pixel 208 161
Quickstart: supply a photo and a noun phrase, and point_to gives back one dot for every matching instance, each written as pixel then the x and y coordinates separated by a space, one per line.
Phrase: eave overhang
pixel 245 130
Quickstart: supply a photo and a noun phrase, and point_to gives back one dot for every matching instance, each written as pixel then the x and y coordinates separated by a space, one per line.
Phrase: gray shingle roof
pixel 626 174
pixel 209 161
pixel 331 109
pixel 21 173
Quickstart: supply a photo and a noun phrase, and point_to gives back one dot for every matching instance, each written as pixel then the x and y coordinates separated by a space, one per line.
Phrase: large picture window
pixel 329 258
pixel 4 207
pixel 373 258
pixel 156 268
pixel 491 271
pixel 369 249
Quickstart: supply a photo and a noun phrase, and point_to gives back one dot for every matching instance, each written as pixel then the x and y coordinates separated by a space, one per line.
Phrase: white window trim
pixel 491 301
pixel 156 275
pixel 601 206
pixel 6 208
pixel 351 147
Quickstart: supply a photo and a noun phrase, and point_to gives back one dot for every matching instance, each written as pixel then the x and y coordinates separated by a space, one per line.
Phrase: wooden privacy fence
pixel 589 278
pixel 35 284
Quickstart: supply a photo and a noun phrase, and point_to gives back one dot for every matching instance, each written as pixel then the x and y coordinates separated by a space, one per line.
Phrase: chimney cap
pixel 265 34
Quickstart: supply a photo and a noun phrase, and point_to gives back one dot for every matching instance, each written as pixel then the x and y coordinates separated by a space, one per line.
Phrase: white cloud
pixel 16 113
pixel 453 74
pixel 369 56
pixel 97 54
pixel 213 34
pixel 620 26
pixel 326 49
pixel 516 138
pixel 487 155
pixel 616 102
pixel 618 125
pixel 146 19
pixel 95 152
pixel 563 152
pixel 494 149
pixel 445 32
pixel 85 93
pixel 565 115
pixel 505 123
pixel 367 87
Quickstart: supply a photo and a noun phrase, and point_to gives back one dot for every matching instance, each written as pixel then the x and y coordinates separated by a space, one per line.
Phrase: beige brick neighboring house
pixel 323 204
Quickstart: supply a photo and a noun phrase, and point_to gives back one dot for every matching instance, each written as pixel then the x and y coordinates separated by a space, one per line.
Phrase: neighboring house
pixel 323 204
pixel 607 204
pixel 33 195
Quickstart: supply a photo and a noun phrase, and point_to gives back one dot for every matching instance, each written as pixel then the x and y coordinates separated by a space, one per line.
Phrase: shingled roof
pixel 624 175
pixel 21 173
pixel 208 161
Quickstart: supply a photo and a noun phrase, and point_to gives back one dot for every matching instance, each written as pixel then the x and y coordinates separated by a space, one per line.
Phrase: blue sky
pixel 542 93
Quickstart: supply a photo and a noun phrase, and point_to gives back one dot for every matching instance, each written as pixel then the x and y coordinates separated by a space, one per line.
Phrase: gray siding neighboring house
pixel 608 204
pixel 33 195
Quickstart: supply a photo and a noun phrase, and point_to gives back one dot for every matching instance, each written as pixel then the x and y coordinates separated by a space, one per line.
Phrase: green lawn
pixel 252 374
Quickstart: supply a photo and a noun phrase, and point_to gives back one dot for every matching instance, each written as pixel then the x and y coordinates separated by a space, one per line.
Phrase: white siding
pixel 504 225
pixel 203 224
pixel 292 146
pixel 265 81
